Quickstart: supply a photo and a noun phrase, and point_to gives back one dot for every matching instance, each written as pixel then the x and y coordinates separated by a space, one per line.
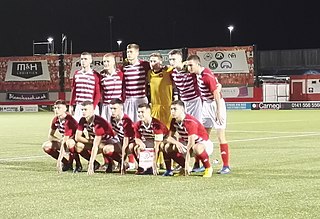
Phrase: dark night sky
pixel 158 24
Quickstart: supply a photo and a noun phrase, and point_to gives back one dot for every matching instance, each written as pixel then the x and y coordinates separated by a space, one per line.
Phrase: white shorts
pixel 106 112
pixel 208 145
pixel 209 109
pixel 194 108
pixel 130 107
pixel 78 112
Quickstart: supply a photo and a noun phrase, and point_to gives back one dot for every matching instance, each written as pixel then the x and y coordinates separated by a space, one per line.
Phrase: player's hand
pixel 142 146
pixel 123 168
pixel 219 119
pixel 187 163
pixel 179 147
pixel 155 169
pixel 90 169
pixel 59 166
pixel 71 110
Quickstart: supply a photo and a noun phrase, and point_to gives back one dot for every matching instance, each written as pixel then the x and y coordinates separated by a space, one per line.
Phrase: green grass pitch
pixel 275 161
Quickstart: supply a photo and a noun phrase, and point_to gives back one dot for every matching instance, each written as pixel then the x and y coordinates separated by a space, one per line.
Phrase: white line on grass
pixel 275 137
pixel 264 121
pixel 272 132
pixel 239 140
pixel 22 158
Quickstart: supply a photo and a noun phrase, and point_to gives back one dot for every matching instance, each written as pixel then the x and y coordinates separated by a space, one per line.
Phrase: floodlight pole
pixel 230 27
pixel 110 31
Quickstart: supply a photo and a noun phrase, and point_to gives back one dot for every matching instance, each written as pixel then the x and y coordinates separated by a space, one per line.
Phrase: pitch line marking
pixel 272 132
pixel 272 121
pixel 274 137
pixel 239 140
pixel 21 158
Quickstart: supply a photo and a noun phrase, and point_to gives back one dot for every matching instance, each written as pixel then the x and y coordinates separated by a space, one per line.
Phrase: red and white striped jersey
pixel 207 83
pixel 111 85
pixel 186 84
pixel 123 128
pixel 189 126
pixel 135 79
pixel 98 127
pixel 66 127
pixel 144 132
pixel 85 87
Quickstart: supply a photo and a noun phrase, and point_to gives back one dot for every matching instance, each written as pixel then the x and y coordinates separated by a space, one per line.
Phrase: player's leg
pixel 202 151
pixel 171 152
pixel 71 145
pixel 195 108
pixel 224 151
pixel 52 148
pixel 85 151
pixel 112 151
pixel 167 159
pixel 224 146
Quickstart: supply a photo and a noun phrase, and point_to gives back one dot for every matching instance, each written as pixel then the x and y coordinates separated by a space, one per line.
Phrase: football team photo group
pixel 142 117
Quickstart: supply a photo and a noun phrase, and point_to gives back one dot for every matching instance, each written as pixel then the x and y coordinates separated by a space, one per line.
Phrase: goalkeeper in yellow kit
pixel 161 92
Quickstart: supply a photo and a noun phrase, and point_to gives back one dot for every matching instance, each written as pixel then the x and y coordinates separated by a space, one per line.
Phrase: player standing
pixel 214 107
pixel 111 84
pixel 135 74
pixel 187 90
pixel 85 86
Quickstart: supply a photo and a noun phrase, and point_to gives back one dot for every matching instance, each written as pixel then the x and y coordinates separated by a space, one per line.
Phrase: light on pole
pixel 119 44
pixel 110 31
pixel 50 45
pixel 230 27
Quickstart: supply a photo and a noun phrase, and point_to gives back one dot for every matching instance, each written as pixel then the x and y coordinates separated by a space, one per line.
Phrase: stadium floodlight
pixel 230 27
pixel 50 39
pixel 119 44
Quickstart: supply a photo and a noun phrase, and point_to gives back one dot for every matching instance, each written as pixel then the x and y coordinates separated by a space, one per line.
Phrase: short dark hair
pixel 62 102
pixel 194 57
pixel 141 105
pixel 86 103
pixel 133 46
pixel 156 54
pixel 177 102
pixel 116 101
pixel 175 52
pixel 86 54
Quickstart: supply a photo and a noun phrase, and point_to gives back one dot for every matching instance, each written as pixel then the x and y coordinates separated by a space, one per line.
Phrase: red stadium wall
pixel 305 87
pixel 32 90
pixel 25 90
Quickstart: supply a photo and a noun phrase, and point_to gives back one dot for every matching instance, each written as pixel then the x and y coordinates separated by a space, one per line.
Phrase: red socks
pixel 204 157
pixel 55 154
pixel 224 149
pixel 113 155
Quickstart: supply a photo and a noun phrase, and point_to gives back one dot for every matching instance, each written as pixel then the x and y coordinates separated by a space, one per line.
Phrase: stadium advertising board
pixel 97 63
pixel 227 61
pixel 18 108
pixel 285 106
pixel 144 55
pixel 238 106
pixel 27 96
pixel 28 71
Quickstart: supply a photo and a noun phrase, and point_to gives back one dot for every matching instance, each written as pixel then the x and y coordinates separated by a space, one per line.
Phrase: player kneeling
pixel 149 135
pixel 56 146
pixel 100 137
pixel 123 127
pixel 194 140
